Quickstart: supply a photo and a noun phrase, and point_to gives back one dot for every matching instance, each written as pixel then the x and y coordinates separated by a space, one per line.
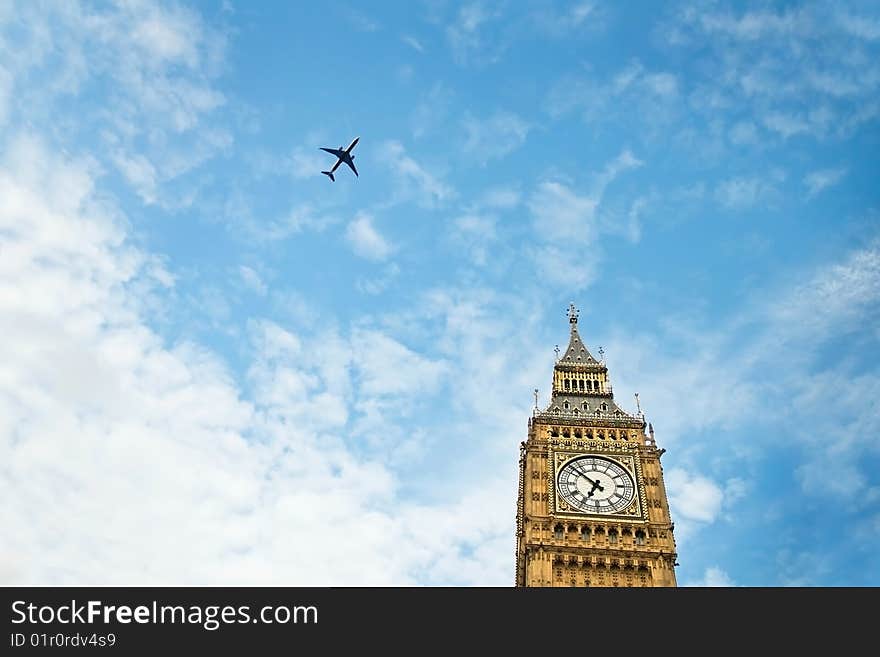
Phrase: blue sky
pixel 220 367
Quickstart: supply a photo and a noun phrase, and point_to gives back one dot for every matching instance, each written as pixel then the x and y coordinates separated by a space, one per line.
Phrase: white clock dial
pixel 595 484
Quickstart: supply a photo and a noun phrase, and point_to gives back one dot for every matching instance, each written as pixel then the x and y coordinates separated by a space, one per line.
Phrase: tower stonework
pixel 591 507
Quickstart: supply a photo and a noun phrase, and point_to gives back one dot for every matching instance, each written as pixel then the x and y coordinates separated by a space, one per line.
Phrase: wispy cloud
pixel 252 280
pixel 555 22
pixel 795 323
pixel 413 43
pixel 365 240
pixel 564 218
pixel 652 100
pixel 501 198
pixel 495 136
pixel 360 20
pixel 475 233
pixel 378 284
pixel 299 219
pixel 466 35
pixel 161 62
pixel 695 498
pixel 762 63
pixel 863 27
pixel 80 359
pixel 432 110
pixel 308 162
pixel 748 191
pixel 713 576
pixel 818 181
pixel 414 180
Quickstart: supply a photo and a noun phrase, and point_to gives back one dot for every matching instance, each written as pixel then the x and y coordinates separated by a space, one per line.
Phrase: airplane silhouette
pixel 342 155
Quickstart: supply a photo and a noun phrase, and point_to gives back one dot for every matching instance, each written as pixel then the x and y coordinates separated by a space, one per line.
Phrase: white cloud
pixel 834 295
pixel 308 163
pixel 494 137
pixel 555 265
pixel 785 124
pixel 387 368
pixel 649 96
pixel 302 218
pixel 754 25
pixel 735 489
pixel 623 162
pixel 713 576
pixel 764 66
pixel 564 220
pixel 414 181
pixel 501 198
pixel 560 214
pixel 559 23
pixel 740 192
pixel 413 43
pixel 140 173
pixel 360 20
pixel 861 26
pixel 431 111
pixel 163 36
pixel 748 191
pixel 365 240
pixel 633 229
pixel 171 474
pixel 661 84
pixel 817 181
pixel 743 132
pixel 782 329
pixel 475 233
pixel 378 284
pixel 5 94
pixel 158 62
pixel 466 37
pixel 693 497
pixel 252 279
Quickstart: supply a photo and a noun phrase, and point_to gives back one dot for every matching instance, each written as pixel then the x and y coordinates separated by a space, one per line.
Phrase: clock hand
pixel 596 483
pixel 595 486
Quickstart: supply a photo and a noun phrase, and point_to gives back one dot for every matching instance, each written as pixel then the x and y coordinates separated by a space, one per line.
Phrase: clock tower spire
pixel 591 507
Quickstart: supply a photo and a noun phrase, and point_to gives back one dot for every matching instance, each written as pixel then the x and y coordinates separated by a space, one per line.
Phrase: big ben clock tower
pixel 592 508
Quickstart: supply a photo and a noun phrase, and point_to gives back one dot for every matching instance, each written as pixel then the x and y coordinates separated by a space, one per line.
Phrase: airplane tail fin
pixel 329 175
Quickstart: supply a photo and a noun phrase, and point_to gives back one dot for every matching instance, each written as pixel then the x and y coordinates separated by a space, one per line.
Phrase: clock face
pixel 594 484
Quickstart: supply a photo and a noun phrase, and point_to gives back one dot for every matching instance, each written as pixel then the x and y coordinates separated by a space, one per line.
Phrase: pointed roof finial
pixel 536 399
pixel 577 353
pixel 638 407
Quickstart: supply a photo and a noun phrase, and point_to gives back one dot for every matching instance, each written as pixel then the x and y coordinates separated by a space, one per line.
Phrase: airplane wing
pixel 351 164
pixel 335 151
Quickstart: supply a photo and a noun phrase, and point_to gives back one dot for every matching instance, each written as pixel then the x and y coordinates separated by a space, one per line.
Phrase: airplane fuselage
pixel 342 155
